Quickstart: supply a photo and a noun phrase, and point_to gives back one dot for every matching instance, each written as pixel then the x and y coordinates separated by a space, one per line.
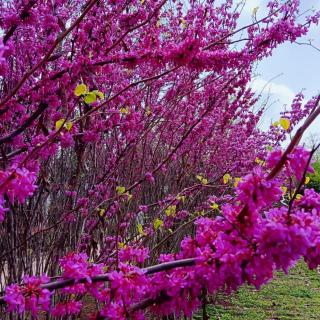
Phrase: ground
pixel 295 296
pixel 292 297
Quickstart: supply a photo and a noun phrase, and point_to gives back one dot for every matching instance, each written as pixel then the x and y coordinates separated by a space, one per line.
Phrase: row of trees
pixel 132 168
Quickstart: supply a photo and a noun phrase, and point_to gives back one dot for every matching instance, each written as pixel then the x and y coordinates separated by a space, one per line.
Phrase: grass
pixel 287 297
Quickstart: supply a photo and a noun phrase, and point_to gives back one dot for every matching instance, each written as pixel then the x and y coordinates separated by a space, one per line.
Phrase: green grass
pixel 287 297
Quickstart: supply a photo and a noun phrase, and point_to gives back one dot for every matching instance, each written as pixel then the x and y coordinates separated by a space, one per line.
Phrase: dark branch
pixel 25 125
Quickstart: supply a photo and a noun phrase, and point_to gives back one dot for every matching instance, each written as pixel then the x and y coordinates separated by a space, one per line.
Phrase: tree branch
pixel 43 106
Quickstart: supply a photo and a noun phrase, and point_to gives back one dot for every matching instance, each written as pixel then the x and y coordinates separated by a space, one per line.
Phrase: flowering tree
pixel 132 168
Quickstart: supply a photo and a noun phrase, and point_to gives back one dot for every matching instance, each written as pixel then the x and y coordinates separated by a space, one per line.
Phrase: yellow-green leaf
pixel 199 213
pixel 68 125
pixel 284 190
pixel 124 110
pixel 236 182
pixel 214 205
pixel 120 190
pixel 259 161
pixel 140 229
pixel 284 123
pixel 291 194
pixel 203 180
pixel 181 198
pixel 121 245
pixel 81 89
pixel 307 180
pixel 99 94
pixel 226 178
pixel 171 210
pixel 59 124
pixel 157 224
pixel 101 212
pixel 183 23
pixel 254 11
pixel 90 97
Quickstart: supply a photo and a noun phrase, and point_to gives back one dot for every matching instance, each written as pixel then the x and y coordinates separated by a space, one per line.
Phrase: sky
pixel 291 69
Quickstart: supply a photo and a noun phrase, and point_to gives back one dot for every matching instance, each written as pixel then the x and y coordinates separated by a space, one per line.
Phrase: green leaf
pixel 81 89
pixel 284 123
pixel 120 190
pixel 68 125
pixel 59 124
pixel 214 206
pixel 226 178
pixel 203 180
pixel 157 224
pixel 171 210
pixel 124 110
pixel 140 229
pixel 99 94
pixel 90 98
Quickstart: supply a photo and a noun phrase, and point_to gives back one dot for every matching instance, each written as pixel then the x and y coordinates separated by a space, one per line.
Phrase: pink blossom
pixel 133 254
pixel 19 183
pixel 66 309
pixel 3 209
pixel 75 266
pixel 256 191
pixel 274 158
pixel 149 177
pixel 29 296
pixel 2 50
pixel 298 160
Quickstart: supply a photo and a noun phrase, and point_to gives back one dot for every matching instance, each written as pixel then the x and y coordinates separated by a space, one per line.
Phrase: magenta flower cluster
pixel 246 244
pixel 29 296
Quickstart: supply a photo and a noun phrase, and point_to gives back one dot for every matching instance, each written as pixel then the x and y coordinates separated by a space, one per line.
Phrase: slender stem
pixel 42 107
